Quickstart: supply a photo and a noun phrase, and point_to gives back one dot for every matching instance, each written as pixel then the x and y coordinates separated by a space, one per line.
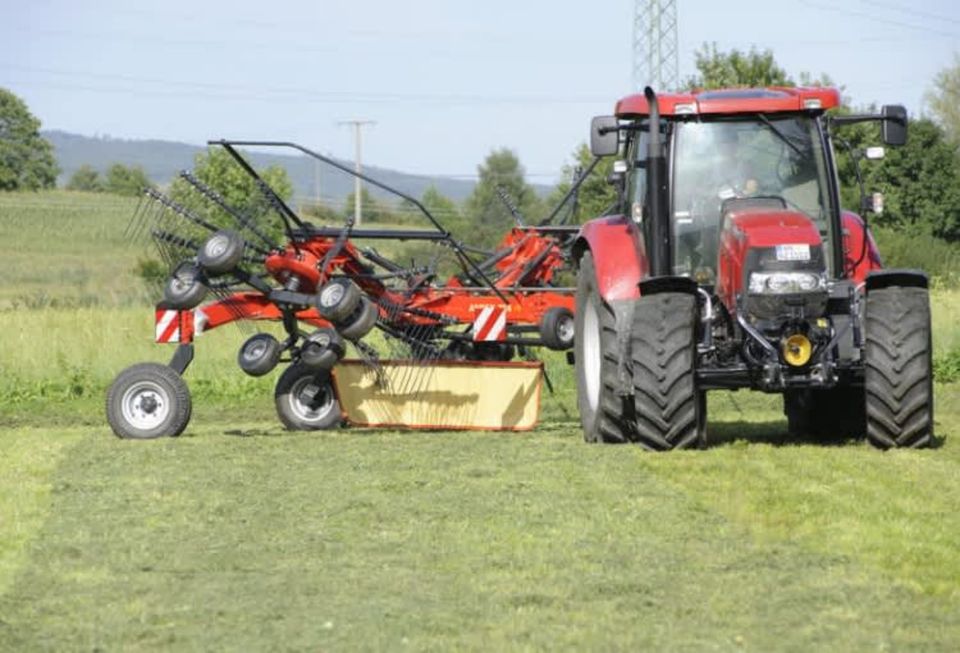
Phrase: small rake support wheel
pixel 305 400
pixel 898 371
pixel 557 328
pixel 595 361
pixel 259 354
pixel 361 322
pixel 322 349
pixel 669 410
pixel 148 400
pixel 184 289
pixel 221 252
pixel 338 299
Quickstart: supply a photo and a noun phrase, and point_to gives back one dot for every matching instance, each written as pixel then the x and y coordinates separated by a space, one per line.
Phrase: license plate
pixel 793 252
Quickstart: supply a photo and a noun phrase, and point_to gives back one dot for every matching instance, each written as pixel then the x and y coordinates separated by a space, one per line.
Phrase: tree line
pixel 920 181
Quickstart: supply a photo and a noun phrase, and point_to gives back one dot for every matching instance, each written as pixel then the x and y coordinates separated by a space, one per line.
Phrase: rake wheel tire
pixel 338 299
pixel 147 401
pixel 259 354
pixel 557 328
pixel 306 401
pixel 184 289
pixel 221 252
pixel 362 321
pixel 595 361
pixel 898 371
pixel 669 410
pixel 322 349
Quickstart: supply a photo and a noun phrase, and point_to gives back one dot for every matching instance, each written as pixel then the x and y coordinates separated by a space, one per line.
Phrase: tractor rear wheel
pixel 595 361
pixel 670 412
pixel 898 370
pixel 305 399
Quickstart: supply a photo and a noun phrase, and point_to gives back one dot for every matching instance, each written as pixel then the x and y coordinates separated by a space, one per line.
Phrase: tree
pixel 944 100
pixel 735 68
pixel 26 159
pixel 123 180
pixel 217 169
pixel 86 178
pixel 596 194
pixel 485 209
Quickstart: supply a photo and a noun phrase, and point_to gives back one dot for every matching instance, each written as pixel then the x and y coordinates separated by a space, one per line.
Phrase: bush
pixel 903 249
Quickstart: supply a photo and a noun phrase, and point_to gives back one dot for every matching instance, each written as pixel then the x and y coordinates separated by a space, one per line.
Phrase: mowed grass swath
pixel 241 535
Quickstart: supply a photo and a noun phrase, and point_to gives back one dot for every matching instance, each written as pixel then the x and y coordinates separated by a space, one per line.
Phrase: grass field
pixel 241 536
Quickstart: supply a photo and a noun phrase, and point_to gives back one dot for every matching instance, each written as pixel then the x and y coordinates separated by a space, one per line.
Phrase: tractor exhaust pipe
pixel 657 220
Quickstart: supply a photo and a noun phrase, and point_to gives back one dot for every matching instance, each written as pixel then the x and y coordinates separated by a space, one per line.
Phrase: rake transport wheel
pixel 595 361
pixel 898 371
pixel 184 289
pixel 305 399
pixel 670 412
pixel 322 349
pixel 148 400
pixel 557 328
pixel 221 252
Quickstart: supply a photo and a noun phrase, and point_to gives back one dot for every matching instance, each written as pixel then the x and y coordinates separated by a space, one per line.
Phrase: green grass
pixel 240 536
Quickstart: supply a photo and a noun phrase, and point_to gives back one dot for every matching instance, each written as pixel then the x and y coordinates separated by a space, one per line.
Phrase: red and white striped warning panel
pixel 173 325
pixel 491 324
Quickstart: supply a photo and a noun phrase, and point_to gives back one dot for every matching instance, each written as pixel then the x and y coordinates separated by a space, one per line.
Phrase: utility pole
pixel 655 45
pixel 358 155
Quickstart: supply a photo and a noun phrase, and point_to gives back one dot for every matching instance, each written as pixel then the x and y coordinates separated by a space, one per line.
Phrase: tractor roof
pixel 733 100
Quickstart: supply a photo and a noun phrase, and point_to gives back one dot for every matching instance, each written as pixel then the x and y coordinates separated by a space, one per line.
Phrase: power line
pixel 911 10
pixel 879 19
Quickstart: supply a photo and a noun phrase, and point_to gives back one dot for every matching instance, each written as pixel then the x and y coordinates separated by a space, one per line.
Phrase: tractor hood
pixel 772 228
pixel 771 259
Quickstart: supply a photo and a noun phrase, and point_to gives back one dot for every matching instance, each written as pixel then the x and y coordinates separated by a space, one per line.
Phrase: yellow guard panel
pixel 441 395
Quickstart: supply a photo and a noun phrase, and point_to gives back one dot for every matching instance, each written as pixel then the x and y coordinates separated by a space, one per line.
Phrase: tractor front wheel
pixel 670 411
pixel 305 399
pixel 898 370
pixel 595 361
pixel 148 400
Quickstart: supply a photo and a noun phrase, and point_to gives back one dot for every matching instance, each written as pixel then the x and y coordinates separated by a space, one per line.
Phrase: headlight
pixel 785 283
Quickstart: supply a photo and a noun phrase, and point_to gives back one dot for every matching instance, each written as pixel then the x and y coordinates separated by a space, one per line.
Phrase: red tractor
pixel 730 264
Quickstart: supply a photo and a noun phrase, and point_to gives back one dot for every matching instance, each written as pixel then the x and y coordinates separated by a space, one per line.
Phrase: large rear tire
pixel 670 412
pixel 595 361
pixel 898 370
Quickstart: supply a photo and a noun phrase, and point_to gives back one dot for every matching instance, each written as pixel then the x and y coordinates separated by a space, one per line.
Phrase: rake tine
pixel 180 210
pixel 243 220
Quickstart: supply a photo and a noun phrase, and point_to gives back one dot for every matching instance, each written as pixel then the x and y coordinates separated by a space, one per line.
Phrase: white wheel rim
pixel 145 405
pixel 591 354
pixel 331 295
pixel 305 411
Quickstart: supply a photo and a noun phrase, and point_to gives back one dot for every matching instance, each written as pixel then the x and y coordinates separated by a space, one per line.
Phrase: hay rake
pixel 406 325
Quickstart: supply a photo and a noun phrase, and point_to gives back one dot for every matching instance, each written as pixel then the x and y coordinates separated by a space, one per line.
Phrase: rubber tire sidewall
pixel 228 259
pixel 549 326
pixel 597 426
pixel 345 306
pixel 189 299
pixel 264 364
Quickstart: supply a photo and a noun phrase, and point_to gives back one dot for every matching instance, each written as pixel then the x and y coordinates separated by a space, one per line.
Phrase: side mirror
pixel 604 136
pixel 894 126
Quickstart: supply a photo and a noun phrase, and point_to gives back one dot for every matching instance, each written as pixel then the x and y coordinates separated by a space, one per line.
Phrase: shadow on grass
pixel 773 432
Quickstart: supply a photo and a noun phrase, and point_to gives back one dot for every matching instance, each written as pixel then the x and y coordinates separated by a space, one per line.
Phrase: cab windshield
pixel 763 161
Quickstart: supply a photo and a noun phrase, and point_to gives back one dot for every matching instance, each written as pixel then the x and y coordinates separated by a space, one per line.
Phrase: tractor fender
pixel 619 255
pixel 887 278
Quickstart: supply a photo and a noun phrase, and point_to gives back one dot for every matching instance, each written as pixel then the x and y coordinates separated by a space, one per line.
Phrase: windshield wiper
pixel 783 137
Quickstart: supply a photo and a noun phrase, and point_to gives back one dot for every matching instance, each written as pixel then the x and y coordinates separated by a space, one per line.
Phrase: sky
pixel 445 81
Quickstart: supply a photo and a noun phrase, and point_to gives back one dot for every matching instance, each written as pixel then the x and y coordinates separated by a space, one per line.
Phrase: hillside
pixel 163 159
